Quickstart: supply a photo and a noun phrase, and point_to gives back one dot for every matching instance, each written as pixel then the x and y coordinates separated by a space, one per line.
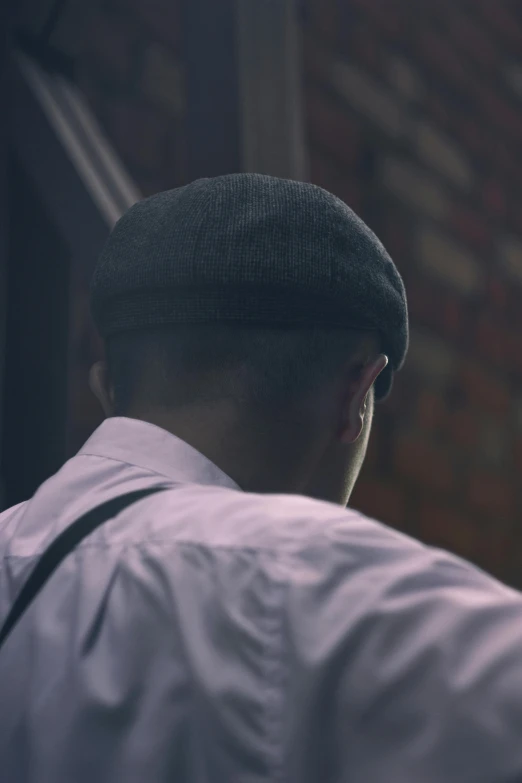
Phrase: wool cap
pixel 250 250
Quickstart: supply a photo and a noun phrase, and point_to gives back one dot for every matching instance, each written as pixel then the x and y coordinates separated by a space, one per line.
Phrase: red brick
pixel 495 443
pixel 438 109
pixel 494 198
pixel 431 359
pixel 380 500
pixel 439 53
pixel 444 155
pixel 425 302
pixel 400 406
pixel 484 390
pixel 514 316
pixel 471 227
pixel 452 315
pixel 444 527
pixel 462 428
pixel 404 76
pixel 502 155
pixel 472 38
pixel 430 411
pixel 515 357
pixel 438 309
pixel 472 134
pixel 517 454
pixel 424 463
pixel 498 294
pixel 497 15
pixel 370 97
pixel 499 111
pixel 332 128
pixel 517 209
pixel 495 553
pixel 493 495
pixel 494 341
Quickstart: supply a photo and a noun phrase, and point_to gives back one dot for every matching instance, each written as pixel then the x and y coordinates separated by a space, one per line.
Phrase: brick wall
pixel 414 117
pixel 129 66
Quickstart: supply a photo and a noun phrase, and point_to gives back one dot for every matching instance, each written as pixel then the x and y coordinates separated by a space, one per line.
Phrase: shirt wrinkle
pixel 230 637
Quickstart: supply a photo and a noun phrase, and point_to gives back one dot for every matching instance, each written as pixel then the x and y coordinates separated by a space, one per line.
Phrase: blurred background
pixel 409 110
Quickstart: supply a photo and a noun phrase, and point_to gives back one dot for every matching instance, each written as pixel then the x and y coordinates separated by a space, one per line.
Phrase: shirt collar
pixel 153 448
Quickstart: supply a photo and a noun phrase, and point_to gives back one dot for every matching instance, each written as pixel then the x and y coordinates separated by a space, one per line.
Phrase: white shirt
pixel 207 635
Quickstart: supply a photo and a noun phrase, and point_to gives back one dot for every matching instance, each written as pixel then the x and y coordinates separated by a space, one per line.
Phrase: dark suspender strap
pixel 64 545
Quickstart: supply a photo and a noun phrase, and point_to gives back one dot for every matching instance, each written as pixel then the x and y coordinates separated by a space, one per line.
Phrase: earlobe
pixel 354 420
pixel 358 408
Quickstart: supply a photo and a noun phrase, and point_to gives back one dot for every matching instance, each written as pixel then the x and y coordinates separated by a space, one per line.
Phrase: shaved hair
pixel 189 365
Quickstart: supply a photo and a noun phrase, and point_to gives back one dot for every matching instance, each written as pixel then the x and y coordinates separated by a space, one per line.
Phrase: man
pixel 242 625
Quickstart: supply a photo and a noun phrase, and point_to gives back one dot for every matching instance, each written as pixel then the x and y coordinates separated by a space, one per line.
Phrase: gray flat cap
pixel 252 250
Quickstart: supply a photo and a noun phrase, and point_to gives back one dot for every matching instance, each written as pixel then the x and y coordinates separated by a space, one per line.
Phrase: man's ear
pixel 357 398
pixel 101 387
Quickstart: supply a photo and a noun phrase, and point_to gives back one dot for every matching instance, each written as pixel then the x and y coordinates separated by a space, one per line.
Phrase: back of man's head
pixel 245 289
pixel 261 369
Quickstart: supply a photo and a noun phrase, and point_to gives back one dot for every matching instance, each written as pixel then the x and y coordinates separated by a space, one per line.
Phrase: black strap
pixel 64 545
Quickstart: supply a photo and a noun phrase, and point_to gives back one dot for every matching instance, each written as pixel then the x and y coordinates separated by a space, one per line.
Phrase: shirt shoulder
pixel 292 529
pixel 419 650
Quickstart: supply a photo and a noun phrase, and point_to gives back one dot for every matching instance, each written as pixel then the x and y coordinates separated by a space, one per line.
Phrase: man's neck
pixel 255 456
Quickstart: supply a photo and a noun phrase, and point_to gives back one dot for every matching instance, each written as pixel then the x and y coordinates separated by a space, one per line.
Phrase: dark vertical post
pixel 243 78
pixel 7 10
pixel 270 73
pixel 210 57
